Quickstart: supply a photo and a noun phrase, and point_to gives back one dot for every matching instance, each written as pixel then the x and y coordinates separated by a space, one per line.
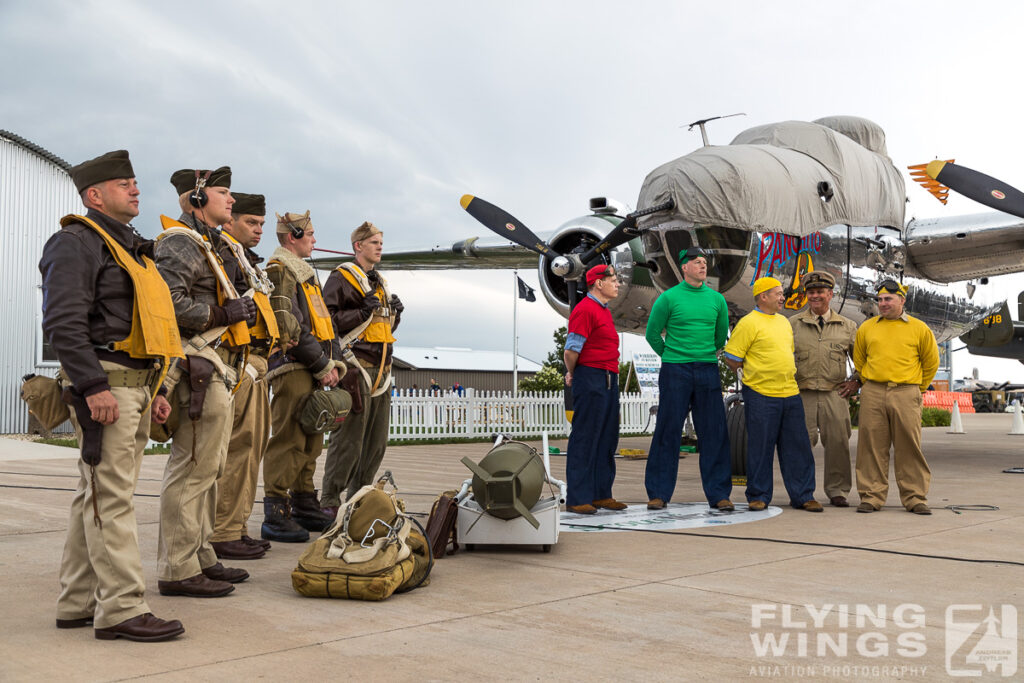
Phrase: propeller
pixel 505 224
pixel 945 175
pixel 570 267
pixel 624 231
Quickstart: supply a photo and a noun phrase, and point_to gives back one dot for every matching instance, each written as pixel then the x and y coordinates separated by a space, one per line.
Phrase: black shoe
pixel 74 623
pixel 278 524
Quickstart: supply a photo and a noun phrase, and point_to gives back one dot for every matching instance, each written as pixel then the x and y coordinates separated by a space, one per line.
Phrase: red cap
pixel 596 273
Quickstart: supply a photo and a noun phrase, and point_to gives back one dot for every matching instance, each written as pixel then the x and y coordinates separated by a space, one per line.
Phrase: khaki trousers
pixel 188 499
pixel 291 454
pixel 357 447
pixel 828 414
pixel 101 570
pixel 891 415
pixel 250 430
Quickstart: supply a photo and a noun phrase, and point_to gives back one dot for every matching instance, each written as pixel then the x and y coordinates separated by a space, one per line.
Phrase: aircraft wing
pixel 473 253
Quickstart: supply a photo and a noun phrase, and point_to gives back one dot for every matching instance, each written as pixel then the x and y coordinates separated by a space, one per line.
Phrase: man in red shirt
pixel 592 360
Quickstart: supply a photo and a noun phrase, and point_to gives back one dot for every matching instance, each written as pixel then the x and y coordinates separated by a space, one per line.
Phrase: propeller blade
pixel 620 234
pixel 978 186
pixel 611 240
pixel 505 224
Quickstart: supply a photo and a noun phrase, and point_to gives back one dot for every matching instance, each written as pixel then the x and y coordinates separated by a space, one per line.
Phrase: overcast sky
pixel 390 111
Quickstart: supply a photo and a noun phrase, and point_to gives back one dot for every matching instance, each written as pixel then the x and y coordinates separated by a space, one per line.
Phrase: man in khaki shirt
pixel 823 342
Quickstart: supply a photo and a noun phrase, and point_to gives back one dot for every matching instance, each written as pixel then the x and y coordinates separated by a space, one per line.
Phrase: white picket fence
pixel 416 414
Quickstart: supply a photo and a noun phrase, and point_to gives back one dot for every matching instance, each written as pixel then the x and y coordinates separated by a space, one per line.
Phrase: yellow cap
pixel 764 284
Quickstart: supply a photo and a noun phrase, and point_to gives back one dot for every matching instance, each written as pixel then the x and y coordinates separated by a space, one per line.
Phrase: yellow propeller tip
pixel 466 199
pixel 934 168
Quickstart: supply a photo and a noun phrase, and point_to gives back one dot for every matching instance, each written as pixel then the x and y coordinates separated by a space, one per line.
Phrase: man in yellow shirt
pixel 762 345
pixel 897 358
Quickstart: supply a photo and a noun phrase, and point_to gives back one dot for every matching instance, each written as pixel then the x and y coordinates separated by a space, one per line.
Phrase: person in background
pixel 897 358
pixel 592 363
pixel 762 346
pixel 823 342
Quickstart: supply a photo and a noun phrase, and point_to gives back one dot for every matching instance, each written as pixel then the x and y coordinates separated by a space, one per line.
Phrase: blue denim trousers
pixel 590 462
pixel 777 423
pixel 686 387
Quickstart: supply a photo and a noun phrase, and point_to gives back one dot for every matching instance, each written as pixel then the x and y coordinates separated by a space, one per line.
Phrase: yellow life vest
pixel 319 317
pixel 154 330
pixel 236 334
pixel 266 321
pixel 378 331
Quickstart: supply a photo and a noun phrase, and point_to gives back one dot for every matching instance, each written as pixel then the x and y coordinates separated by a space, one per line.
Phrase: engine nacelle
pixel 629 310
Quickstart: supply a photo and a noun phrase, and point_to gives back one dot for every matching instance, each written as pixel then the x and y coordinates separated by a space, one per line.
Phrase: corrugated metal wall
pixel 34 193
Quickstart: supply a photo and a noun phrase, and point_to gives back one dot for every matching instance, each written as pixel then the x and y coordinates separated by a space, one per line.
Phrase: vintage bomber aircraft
pixel 781 199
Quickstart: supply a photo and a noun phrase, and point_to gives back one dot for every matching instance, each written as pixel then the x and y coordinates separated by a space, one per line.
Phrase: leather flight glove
pixel 370 304
pixel 237 310
pixel 396 304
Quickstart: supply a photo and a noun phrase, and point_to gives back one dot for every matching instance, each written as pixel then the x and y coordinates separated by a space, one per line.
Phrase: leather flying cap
pixel 598 272
pixel 820 279
pixel 890 286
pixel 249 204
pixel 109 166
pixel 365 231
pixel 185 180
pixel 286 222
pixel 764 284
pixel 693 252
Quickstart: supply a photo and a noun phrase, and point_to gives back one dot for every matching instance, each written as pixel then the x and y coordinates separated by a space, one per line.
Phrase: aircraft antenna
pixel 703 131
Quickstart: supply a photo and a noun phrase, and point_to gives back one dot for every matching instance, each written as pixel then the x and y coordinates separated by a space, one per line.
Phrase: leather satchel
pixel 441 529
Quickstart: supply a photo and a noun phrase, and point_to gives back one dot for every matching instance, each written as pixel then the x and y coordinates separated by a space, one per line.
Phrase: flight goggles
pixel 890 286
pixel 686 255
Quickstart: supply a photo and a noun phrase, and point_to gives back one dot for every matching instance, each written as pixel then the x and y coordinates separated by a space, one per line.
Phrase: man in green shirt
pixel 695 322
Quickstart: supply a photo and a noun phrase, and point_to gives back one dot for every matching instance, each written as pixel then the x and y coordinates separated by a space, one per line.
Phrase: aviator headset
pixel 199 198
pixel 297 231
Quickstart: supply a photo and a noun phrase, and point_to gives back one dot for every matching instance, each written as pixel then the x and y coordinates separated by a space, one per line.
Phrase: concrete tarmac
pixel 839 595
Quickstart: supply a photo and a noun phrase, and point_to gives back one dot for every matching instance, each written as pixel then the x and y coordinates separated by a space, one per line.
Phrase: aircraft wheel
pixel 546 548
pixel 735 420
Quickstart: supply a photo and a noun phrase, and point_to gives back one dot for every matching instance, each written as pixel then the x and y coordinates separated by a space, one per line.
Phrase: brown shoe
pixel 866 507
pixel 219 572
pixel 725 505
pixel 248 540
pixel 74 623
pixel 839 502
pixel 197 586
pixel 609 504
pixel 921 509
pixel 237 550
pixel 812 506
pixel 585 509
pixel 756 505
pixel 655 504
pixel 144 628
